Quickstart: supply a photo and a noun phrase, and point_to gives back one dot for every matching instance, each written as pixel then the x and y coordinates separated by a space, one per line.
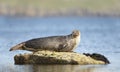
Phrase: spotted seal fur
pixel 54 43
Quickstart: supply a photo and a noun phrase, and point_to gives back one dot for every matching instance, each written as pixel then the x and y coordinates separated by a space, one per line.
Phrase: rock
pixel 97 56
pixel 51 57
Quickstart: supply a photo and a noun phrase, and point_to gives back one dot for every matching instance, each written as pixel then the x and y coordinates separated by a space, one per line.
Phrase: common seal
pixel 54 43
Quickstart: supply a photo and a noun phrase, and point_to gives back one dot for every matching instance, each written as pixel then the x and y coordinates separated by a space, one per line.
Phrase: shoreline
pixel 34 11
pixel 46 8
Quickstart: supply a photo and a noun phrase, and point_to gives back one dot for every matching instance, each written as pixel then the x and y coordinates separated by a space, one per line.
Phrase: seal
pixel 64 43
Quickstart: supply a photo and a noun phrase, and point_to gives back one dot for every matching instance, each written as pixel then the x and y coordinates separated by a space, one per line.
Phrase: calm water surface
pixel 98 35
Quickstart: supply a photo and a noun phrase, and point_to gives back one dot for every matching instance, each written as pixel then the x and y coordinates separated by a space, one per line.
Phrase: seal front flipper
pixel 63 47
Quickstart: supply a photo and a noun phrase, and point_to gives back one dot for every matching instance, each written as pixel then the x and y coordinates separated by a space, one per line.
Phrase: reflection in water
pixel 62 68
pixel 51 68
pixel 16 68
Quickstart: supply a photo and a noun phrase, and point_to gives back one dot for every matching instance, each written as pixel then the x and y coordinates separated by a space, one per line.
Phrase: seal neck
pixel 70 36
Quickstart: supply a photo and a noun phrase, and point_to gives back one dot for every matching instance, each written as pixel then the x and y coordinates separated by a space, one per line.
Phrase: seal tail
pixel 17 47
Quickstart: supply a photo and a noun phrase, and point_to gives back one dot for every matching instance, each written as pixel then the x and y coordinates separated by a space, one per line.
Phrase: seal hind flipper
pixel 17 47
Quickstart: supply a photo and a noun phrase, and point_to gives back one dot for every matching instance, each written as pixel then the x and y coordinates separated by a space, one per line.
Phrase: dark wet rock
pixel 51 57
pixel 97 56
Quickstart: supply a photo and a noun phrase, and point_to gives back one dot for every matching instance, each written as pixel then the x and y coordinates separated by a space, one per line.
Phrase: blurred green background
pixel 56 7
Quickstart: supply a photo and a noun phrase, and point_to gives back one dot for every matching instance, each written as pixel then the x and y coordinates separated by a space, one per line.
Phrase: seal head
pixel 76 37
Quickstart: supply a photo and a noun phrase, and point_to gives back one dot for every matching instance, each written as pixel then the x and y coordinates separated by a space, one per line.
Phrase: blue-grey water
pixel 98 35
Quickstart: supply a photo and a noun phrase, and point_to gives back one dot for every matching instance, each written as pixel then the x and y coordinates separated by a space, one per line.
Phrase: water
pixel 98 35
